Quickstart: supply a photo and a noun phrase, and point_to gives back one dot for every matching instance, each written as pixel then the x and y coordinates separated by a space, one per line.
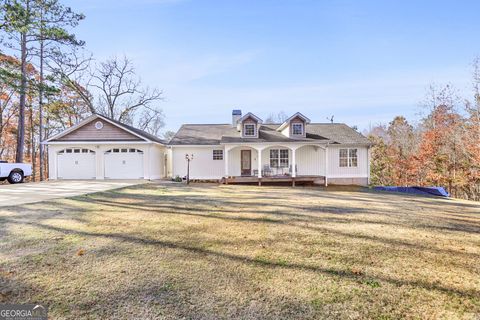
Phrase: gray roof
pixel 214 134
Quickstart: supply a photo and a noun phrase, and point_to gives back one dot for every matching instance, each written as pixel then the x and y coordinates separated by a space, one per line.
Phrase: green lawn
pixel 208 251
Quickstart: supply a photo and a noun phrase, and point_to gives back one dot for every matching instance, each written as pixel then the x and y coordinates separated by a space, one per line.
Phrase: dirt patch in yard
pixel 209 251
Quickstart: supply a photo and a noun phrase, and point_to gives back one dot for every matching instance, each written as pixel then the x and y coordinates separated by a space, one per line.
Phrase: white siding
pixel 310 161
pixel 202 167
pixel 157 162
pixel 169 155
pixel 334 169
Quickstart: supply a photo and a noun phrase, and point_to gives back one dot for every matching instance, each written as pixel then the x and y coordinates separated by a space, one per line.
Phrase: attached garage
pixel 102 148
pixel 123 163
pixel 76 163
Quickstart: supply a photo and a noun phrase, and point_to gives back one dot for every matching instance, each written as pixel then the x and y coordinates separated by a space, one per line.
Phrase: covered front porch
pixel 276 163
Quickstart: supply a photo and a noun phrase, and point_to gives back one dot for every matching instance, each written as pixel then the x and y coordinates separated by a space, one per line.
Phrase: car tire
pixel 15 177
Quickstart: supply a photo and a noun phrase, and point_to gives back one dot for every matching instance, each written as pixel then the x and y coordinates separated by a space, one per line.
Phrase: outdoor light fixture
pixel 188 158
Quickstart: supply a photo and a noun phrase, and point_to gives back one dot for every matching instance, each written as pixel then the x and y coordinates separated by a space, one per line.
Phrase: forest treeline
pixel 441 149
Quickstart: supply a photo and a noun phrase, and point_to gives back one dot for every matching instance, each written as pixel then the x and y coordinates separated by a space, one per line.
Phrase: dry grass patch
pixel 205 251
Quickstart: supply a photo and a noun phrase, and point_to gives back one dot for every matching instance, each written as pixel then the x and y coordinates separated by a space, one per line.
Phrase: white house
pixel 245 150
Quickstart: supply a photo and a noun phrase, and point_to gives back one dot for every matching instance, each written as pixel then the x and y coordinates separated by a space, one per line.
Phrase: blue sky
pixel 362 61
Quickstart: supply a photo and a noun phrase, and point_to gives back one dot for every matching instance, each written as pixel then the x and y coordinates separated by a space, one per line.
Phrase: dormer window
pixel 248 125
pixel 249 130
pixel 297 129
pixel 295 126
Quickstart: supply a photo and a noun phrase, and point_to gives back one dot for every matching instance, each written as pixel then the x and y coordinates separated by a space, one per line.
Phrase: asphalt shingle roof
pixel 214 134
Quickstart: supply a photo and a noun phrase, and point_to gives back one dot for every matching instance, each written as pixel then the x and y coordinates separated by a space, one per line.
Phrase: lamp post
pixel 188 158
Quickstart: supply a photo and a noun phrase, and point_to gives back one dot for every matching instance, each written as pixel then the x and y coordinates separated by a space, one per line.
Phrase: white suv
pixel 14 172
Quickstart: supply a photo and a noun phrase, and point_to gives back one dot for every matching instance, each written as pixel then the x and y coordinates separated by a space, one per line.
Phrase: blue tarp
pixel 435 191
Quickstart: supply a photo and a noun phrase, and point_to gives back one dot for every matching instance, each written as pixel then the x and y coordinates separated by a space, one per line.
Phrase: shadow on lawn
pixel 253 261
pixel 177 205
pixel 308 224
pixel 396 215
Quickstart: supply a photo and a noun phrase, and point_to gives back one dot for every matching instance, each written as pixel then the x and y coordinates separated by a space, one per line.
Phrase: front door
pixel 246 162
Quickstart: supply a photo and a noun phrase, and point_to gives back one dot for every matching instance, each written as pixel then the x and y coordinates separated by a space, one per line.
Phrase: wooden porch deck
pixel 318 180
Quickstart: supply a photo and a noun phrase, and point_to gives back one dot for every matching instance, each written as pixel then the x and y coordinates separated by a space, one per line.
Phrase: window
pixel 348 158
pixel 75 151
pixel 297 129
pixel 279 158
pixel 217 154
pixel 352 157
pixel 124 151
pixel 98 125
pixel 249 130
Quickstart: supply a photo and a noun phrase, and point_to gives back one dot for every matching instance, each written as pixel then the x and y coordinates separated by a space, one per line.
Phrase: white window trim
pixel 302 129
pixel 349 158
pixel 254 130
pixel 278 158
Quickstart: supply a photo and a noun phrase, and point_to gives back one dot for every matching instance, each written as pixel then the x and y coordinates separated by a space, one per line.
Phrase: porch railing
pixel 268 171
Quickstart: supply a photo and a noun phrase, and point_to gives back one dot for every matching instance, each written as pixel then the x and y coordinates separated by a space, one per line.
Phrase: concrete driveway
pixel 16 194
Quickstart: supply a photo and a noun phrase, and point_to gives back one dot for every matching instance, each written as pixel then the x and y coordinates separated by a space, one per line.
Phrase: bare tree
pixel 151 121
pixel 72 68
pixel 279 117
pixel 168 135
pixel 113 89
pixel 120 93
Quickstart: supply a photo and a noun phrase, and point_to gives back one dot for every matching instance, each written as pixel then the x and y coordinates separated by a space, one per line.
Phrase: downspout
pixel 326 164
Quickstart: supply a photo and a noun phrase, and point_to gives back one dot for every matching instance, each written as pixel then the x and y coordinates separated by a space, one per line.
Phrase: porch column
pixel 259 158
pixel 294 162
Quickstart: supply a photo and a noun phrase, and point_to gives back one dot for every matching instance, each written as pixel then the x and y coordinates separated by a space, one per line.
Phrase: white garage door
pixel 124 163
pixel 76 163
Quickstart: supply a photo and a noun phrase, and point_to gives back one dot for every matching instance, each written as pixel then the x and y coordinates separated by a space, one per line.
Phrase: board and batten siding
pixel 310 161
pixel 202 167
pixel 109 132
pixel 334 169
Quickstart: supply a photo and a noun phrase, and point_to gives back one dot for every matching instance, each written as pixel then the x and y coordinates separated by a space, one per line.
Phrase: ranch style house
pixel 246 150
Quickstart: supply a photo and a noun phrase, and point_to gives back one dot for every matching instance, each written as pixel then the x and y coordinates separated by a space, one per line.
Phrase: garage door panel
pixel 71 165
pixel 124 165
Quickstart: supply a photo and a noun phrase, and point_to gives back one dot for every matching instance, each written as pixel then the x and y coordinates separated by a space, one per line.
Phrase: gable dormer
pixel 295 126
pixel 248 125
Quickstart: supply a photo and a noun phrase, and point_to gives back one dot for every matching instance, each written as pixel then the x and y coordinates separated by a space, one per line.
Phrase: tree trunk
pixel 32 144
pixel 40 109
pixel 23 93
